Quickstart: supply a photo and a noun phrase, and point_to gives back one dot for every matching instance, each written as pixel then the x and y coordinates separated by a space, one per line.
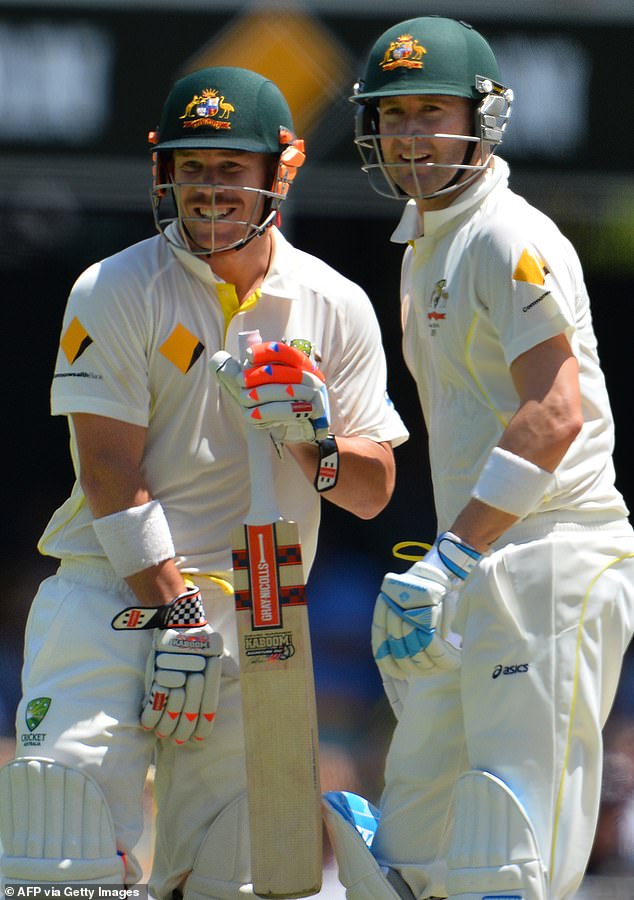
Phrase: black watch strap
pixel 328 466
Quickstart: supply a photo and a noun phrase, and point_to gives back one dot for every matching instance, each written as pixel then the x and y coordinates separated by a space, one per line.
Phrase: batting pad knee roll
pixel 494 850
pixel 55 826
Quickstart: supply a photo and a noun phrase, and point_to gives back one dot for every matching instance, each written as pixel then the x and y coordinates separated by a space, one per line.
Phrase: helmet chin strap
pixel 470 151
pixel 459 173
pixel 206 253
pixel 454 183
pixel 258 231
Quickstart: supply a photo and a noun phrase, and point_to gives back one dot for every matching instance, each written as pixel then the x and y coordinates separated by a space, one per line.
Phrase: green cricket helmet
pixel 224 108
pixel 431 55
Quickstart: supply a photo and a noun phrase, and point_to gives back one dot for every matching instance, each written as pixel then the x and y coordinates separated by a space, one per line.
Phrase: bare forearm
pixel 480 525
pixel 112 481
pixel 366 474
pixel 547 421
pixel 157 584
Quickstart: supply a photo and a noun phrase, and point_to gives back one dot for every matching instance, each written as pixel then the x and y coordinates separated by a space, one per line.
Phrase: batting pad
pixel 351 823
pixel 222 867
pixel 55 826
pixel 494 853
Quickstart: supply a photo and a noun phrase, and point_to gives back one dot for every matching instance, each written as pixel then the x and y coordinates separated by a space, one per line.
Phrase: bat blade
pixel 279 711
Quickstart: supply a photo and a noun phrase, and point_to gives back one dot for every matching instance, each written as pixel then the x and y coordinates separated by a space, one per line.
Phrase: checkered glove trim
pixel 184 611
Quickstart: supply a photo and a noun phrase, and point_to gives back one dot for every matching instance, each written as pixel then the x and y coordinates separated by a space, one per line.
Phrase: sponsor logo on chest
pixel 437 306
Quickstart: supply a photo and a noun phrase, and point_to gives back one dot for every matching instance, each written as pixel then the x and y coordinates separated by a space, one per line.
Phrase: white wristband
pixel 135 538
pixel 511 483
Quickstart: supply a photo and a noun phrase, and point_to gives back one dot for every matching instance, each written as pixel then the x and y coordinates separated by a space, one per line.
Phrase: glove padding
pixel 408 625
pixel 182 679
pixel 413 611
pixel 182 683
pixel 279 389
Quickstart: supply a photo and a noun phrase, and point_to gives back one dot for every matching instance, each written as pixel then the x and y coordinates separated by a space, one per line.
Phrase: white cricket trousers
pixel 545 622
pixel 94 678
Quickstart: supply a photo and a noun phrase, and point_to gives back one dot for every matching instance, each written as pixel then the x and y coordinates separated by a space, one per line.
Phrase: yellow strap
pixel 225 586
pixel 397 548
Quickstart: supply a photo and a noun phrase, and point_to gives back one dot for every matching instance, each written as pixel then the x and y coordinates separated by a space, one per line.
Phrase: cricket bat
pixel 278 689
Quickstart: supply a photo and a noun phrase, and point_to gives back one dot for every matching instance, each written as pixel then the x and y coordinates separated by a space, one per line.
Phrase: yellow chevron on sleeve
pixel 530 269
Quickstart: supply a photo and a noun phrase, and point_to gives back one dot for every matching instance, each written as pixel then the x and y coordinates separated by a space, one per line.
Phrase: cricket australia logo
pixel 437 306
pixel 35 712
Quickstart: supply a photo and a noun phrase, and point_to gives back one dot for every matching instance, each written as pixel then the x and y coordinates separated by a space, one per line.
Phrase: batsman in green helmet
pixel 132 651
pixel 229 112
pixel 456 63
pixel 501 646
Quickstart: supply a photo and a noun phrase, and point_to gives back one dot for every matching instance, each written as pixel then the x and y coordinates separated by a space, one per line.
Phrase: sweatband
pixel 135 538
pixel 511 483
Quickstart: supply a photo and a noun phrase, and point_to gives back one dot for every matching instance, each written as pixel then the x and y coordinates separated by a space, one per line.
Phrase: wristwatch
pixel 328 465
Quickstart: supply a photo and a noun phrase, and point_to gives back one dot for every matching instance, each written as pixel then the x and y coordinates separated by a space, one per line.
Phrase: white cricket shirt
pixel 490 278
pixel 137 335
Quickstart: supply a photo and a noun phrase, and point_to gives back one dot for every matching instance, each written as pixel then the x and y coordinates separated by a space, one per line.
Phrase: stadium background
pixel 82 82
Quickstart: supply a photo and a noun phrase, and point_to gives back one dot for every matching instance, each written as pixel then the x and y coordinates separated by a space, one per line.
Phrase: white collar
pixel 193 264
pixel 413 225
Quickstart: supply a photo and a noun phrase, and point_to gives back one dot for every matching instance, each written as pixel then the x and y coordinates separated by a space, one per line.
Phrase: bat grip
pixel 263 508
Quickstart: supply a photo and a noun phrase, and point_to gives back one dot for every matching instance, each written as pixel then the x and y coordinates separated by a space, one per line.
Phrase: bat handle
pixel 263 508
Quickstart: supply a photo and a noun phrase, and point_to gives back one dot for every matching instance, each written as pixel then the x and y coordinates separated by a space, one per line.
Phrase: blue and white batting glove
pixel 279 389
pixel 182 679
pixel 410 627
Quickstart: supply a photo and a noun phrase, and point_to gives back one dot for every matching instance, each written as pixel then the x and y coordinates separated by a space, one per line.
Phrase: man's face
pixel 215 209
pixel 410 145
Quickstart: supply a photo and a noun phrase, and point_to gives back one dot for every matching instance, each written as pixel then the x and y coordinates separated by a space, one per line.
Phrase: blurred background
pixel 81 84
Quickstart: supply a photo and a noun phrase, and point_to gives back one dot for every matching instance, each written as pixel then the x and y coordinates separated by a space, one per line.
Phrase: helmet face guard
pixel 224 108
pixel 491 116
pixel 430 55
pixel 167 207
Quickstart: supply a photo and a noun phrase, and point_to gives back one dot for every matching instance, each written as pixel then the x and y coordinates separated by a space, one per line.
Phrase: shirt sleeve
pixel 526 282
pixel 360 405
pixel 101 365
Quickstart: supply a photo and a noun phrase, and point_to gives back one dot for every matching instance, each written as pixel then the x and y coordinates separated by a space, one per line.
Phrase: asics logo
pixel 509 670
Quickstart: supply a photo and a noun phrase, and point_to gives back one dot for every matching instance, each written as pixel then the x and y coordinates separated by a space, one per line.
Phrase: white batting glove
pixel 182 680
pixel 279 389
pixel 410 623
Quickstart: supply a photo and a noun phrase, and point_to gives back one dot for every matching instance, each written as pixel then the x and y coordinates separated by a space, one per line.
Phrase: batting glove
pixel 411 614
pixel 279 389
pixel 182 680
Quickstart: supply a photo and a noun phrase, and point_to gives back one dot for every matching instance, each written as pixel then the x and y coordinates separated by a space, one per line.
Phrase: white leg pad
pixel 222 869
pixel 351 823
pixel 55 826
pixel 494 851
